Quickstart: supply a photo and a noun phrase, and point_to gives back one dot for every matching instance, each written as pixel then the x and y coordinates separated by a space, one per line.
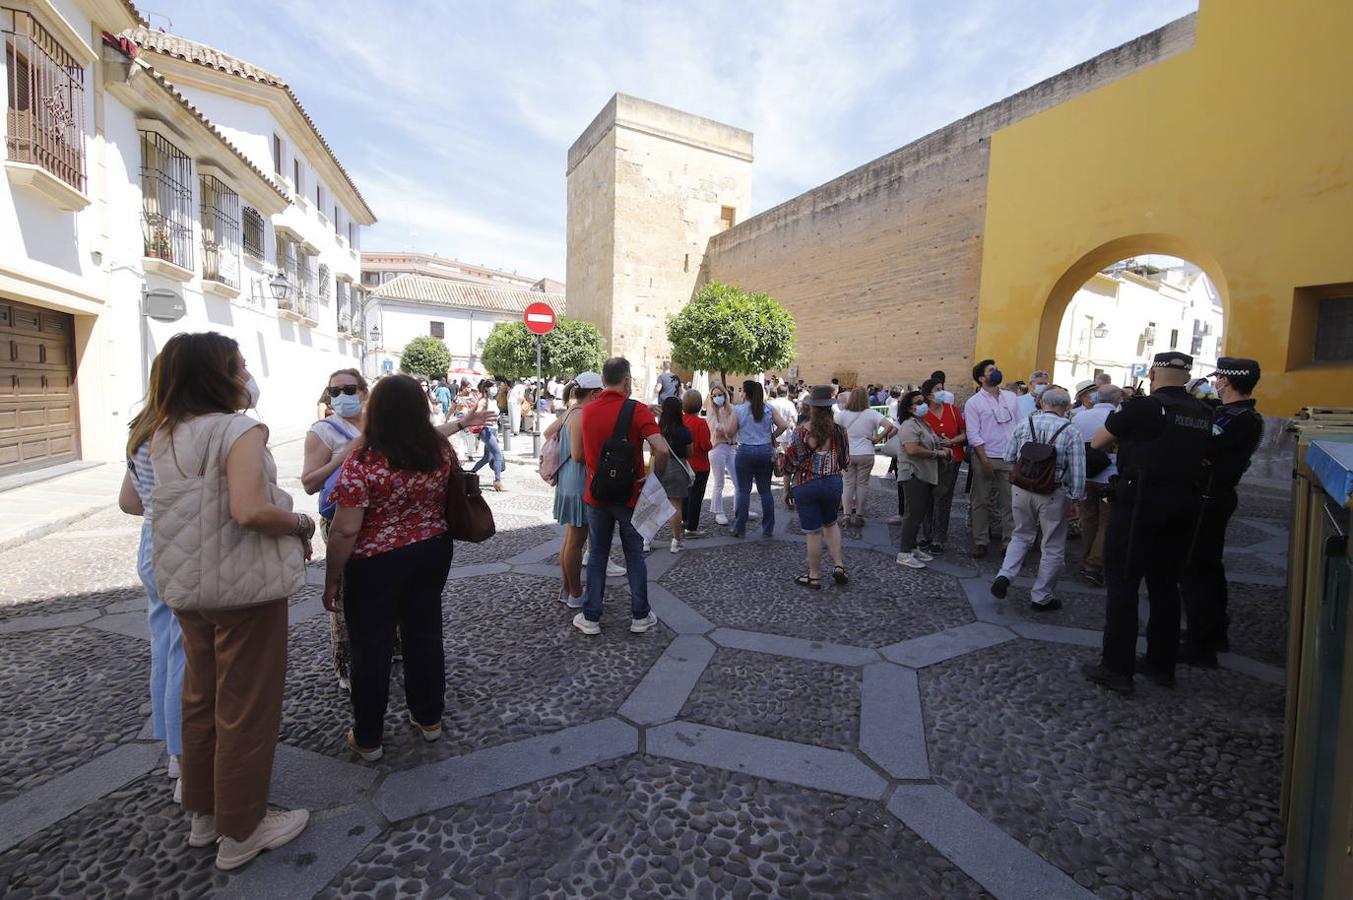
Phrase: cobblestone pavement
pixel 906 735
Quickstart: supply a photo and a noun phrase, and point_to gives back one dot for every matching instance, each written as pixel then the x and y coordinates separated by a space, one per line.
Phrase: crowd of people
pixel 1149 480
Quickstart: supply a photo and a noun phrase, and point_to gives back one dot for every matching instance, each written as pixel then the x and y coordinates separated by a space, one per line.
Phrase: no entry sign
pixel 539 318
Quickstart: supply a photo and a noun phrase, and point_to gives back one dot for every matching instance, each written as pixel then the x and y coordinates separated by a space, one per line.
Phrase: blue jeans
pixel 818 501
pixel 753 464
pixel 166 657
pixel 601 522
pixel 492 453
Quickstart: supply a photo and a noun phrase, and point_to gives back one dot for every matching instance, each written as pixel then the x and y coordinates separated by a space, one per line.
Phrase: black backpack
pixel 1035 467
pixel 613 480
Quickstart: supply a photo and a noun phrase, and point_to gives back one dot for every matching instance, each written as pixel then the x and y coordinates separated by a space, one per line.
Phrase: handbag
pixel 468 517
pixel 202 559
pixel 327 507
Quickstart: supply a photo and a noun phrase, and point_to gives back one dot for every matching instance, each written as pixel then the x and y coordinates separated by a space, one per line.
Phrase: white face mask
pixel 252 387
pixel 944 396
pixel 719 400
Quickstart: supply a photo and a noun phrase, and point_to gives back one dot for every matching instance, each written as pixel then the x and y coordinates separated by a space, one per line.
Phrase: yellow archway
pixel 1082 270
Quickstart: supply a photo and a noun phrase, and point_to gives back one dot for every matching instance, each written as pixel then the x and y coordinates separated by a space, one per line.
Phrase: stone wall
pixel 637 241
pixel 881 266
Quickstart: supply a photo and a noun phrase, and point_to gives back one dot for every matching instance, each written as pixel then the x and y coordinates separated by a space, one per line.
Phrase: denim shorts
pixel 818 502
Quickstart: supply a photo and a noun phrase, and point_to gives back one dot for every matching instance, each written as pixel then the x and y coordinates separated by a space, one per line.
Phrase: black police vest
pixel 1175 456
pixel 1243 422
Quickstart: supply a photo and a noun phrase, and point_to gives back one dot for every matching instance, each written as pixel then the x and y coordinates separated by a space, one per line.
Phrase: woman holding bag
pixel 236 655
pixel 389 544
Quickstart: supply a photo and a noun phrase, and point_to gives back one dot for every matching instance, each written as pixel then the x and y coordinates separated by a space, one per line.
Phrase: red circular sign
pixel 539 318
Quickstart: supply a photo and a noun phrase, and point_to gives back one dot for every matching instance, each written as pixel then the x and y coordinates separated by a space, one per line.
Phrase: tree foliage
pixel 425 356
pixel 573 346
pixel 725 329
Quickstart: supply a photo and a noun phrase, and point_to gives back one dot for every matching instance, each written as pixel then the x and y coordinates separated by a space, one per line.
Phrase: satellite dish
pixel 163 305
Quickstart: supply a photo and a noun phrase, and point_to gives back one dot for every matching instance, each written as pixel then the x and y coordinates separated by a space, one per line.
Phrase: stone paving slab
pixel 305 780
pixel 303 867
pixel 676 614
pixel 918 653
pixel 892 729
pixel 66 794
pixel 991 857
pixel 818 651
pixel 455 780
pixel 1061 634
pixel 20 624
pixel 1253 668
pixel 134 625
pixel 811 767
pixel 662 693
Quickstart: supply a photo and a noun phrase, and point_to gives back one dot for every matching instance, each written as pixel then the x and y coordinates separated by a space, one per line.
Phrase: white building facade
pixel 141 176
pixel 1124 315
pixel 457 313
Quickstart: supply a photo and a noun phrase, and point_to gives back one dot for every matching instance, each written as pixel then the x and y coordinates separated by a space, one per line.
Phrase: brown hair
pixel 822 426
pixel 197 376
pixel 398 426
pixel 361 383
pixel 691 401
pixel 859 400
pixel 142 425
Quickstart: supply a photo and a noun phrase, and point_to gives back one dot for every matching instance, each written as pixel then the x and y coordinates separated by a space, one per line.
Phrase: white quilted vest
pixel 202 559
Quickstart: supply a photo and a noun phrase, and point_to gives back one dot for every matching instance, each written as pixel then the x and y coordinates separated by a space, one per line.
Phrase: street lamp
pixel 1101 330
pixel 280 287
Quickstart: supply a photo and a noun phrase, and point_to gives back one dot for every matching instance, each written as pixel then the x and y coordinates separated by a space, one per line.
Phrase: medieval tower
pixel 647 187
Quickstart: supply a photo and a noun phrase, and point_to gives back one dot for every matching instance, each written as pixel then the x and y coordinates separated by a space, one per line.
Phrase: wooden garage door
pixel 38 424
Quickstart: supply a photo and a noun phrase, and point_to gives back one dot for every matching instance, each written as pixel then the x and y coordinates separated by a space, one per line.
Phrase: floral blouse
pixel 804 463
pixel 402 506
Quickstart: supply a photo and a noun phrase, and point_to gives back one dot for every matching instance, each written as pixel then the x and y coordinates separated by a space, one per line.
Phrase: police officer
pixel 1236 432
pixel 1161 442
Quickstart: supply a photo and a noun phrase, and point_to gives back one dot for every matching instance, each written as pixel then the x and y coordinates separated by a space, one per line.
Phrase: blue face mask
pixel 922 410
pixel 719 401
pixel 1039 389
pixel 944 396
pixel 348 406
pixel 994 377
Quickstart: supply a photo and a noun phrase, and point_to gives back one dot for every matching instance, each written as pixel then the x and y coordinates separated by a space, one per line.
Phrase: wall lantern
pixel 1101 330
pixel 280 287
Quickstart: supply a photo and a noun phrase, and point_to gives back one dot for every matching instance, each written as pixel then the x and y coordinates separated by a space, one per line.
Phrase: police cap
pixel 1172 359
pixel 1237 367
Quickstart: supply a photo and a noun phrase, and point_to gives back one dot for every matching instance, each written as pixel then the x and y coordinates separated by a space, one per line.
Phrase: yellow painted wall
pixel 1236 155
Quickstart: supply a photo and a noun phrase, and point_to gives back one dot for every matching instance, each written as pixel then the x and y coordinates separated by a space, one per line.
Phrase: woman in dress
pixel 327 444
pixel 568 489
pixel 166 640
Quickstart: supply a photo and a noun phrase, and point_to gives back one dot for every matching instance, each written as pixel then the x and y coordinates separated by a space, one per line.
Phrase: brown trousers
pixel 1094 523
pixel 232 711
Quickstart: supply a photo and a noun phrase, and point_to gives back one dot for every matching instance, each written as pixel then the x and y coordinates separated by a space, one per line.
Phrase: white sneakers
pixel 430 732
pixel 922 555
pixel 178 790
pixel 174 770
pixel 370 754
pixel 676 546
pixel 910 560
pixel 721 519
pixel 638 626
pixel 204 831
pixel 276 829
pixel 613 570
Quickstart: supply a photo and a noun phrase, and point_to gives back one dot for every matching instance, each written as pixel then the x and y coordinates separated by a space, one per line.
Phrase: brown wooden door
pixel 38 422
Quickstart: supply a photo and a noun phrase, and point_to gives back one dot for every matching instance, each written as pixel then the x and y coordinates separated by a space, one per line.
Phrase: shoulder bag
pixel 468 517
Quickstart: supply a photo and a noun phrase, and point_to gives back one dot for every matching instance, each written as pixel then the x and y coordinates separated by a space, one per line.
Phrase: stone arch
pixel 1110 252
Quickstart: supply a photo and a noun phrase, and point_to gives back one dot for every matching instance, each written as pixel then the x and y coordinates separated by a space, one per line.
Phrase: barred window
pixel 323 283
pixel 220 232
pixel 167 201
pixel 45 116
pixel 253 233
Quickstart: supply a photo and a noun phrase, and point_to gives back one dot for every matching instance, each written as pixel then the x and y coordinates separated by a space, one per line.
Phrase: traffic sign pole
pixel 539 320
pixel 540 386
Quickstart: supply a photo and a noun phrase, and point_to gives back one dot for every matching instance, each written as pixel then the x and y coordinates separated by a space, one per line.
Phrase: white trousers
pixel 1031 512
pixel 721 465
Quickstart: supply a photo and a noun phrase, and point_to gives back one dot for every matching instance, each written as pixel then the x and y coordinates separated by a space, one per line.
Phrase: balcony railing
pixel 45 122
pixel 220 232
pixel 167 198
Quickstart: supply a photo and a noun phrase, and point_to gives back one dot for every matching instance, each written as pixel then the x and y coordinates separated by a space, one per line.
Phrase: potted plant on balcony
pixel 159 245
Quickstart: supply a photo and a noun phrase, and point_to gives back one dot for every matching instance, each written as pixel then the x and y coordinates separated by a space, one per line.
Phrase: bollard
pixel 505 431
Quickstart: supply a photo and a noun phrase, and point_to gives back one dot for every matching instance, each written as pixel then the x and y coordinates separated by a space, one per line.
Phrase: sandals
pixel 809 581
pixel 839 575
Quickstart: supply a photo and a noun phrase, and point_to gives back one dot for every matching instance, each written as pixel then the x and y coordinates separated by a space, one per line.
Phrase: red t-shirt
pixel 599 417
pixel 402 506
pixel 701 442
pixel 948 424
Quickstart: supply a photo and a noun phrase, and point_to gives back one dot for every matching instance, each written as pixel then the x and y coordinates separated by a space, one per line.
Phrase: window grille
pixel 167 201
pixel 324 284
pixel 220 232
pixel 45 116
pixel 286 264
pixel 253 233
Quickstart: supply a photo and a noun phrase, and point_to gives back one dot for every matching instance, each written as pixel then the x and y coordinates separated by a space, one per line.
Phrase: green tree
pixel 573 346
pixel 425 356
pixel 725 329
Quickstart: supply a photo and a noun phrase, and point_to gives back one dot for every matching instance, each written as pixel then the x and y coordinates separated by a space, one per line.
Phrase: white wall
pixel 402 322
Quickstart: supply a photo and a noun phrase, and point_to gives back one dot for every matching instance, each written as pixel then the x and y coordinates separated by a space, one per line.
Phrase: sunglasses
pixel 348 389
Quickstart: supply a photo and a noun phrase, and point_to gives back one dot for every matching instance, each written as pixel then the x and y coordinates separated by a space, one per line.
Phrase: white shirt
pixel 991 421
pixel 860 428
pixel 785 407
pixel 1088 421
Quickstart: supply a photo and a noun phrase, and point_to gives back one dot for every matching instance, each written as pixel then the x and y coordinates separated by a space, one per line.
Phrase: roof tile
pixel 443 292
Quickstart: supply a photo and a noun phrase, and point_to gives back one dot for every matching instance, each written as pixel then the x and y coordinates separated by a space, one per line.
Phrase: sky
pixel 455 119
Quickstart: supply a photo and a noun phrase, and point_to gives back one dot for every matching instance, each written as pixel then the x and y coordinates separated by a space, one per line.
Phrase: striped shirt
pixel 1070 450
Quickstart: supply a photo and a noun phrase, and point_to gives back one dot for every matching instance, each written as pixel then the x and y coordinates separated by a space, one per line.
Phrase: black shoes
pixel 1114 681
pixel 1155 673
pixel 1191 655
pixel 999 587
pixel 1052 604
pixel 1094 577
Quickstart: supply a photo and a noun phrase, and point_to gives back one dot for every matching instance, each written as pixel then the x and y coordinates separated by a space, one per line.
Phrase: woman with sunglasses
pixel 327 445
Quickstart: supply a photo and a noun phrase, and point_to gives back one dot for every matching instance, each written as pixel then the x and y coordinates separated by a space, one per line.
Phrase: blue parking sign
pixel 388 366
pixel 1139 370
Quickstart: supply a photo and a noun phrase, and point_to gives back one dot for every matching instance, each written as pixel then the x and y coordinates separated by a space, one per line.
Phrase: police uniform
pixel 1236 432
pixel 1162 439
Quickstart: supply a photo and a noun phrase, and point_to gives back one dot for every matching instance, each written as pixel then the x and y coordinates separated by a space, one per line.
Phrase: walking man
pixel 515 397
pixel 1161 441
pixel 990 414
pixel 1236 432
pixel 668 384
pixel 618 425
pixel 1049 512
pixel 1094 516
